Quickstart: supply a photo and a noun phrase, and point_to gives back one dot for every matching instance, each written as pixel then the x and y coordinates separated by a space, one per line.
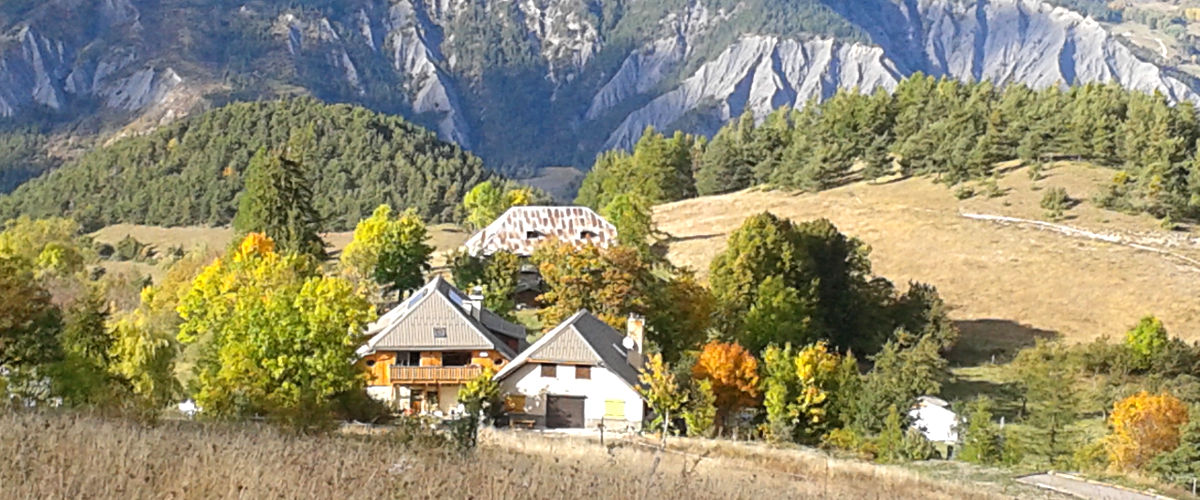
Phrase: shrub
pixel 964 192
pixel 917 446
pixel 701 410
pixel 981 441
pixel 1055 202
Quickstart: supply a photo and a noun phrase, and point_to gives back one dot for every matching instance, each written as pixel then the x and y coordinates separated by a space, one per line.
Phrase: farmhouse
pixel 935 420
pixel 521 229
pixel 580 374
pixel 421 352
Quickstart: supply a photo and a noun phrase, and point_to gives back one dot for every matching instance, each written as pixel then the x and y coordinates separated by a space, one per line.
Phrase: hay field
pixel 76 456
pixel 443 237
pixel 1005 283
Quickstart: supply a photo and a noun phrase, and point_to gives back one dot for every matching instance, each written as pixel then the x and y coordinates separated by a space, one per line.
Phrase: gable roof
pixel 410 325
pixel 582 338
pixel 510 231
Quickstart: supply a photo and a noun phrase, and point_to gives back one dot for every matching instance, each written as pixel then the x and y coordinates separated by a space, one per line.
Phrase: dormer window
pixel 587 235
pixel 439 332
pixel 533 235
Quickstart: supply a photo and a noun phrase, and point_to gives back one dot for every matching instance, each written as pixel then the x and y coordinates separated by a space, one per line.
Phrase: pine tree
pixel 278 202
pixel 981 439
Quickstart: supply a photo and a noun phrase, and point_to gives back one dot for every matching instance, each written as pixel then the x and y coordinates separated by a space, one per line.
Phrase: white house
pixel 580 374
pixel 935 420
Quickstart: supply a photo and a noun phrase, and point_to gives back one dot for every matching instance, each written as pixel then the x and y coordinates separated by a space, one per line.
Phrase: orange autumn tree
pixel 1143 426
pixel 733 372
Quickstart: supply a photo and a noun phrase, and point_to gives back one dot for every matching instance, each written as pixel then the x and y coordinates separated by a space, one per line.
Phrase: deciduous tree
pixel 1144 426
pixel 661 390
pixel 734 375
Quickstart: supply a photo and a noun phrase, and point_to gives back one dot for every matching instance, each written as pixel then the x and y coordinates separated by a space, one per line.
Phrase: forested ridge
pixel 191 172
pixel 944 128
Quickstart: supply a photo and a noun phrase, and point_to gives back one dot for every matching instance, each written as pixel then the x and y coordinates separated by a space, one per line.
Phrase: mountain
pixel 535 82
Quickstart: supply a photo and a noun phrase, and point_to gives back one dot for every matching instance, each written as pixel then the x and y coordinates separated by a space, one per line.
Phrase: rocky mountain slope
pixel 532 82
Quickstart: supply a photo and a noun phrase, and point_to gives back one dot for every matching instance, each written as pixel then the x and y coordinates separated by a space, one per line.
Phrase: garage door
pixel 564 411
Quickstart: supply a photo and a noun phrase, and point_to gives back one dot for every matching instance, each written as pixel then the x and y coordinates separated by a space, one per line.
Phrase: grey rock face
pixel 398 48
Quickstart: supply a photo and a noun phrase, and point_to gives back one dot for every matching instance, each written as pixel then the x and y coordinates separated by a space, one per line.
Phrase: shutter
pixel 614 408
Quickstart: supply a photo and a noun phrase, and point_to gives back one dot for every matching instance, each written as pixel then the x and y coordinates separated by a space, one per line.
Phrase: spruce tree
pixel 278 201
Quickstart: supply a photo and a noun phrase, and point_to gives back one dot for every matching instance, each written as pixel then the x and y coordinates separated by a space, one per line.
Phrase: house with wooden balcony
pixel 421 352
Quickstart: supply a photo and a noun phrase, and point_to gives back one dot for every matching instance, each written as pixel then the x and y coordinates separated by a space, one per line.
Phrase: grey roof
pixel 582 338
pixel 410 326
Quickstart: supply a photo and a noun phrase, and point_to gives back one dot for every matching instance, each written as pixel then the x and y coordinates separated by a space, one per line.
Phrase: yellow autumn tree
pixel 815 370
pixel 277 336
pixel 660 389
pixel 733 372
pixel 1143 426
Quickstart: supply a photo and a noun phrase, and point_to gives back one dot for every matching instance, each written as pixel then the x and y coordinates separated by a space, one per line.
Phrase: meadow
pixel 71 455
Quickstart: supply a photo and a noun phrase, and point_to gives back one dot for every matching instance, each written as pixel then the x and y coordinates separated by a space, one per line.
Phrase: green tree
pixel 1146 341
pixel 483 203
pixel 633 219
pixel 890 442
pixel 465 269
pixel 779 315
pixel 780 390
pixel 1181 466
pixel 981 439
pixel 278 202
pixel 700 411
pixel 900 375
pixel 1042 372
pixel 500 283
pixel 391 251
pixel 85 375
pixel 481 396
pixel 29 321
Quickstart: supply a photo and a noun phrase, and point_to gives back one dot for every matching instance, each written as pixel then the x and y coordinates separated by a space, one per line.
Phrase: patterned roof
pixel 520 230
pixel 437 305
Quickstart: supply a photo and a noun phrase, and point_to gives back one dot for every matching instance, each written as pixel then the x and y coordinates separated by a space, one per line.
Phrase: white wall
pixel 938 424
pixel 603 386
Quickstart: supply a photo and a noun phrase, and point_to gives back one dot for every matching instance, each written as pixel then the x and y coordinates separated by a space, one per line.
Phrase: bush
pixel 981 441
pixel 1055 202
pixel 917 446
pixel 129 248
pixel 964 192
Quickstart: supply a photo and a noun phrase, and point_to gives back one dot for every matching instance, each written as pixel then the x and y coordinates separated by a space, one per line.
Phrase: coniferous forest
pixel 191 172
pixel 944 128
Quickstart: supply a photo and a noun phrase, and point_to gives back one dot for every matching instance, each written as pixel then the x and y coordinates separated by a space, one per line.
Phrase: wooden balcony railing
pixel 434 374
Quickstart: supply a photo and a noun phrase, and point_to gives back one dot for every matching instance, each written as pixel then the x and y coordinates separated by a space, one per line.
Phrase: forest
pixel 191 172
pixel 943 128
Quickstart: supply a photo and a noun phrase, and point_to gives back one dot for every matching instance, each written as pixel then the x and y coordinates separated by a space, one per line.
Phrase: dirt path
pixel 1084 489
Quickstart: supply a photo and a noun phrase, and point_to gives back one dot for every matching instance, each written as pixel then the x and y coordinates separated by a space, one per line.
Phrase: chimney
pixel 474 302
pixel 635 336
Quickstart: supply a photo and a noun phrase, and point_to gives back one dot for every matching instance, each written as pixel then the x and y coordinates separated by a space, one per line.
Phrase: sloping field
pixel 442 237
pixel 1005 282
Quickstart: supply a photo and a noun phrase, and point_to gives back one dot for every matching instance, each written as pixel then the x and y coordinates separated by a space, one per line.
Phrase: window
pixel 408 358
pixel 439 332
pixel 456 358
pixel 614 408
pixel 514 404
pixel 370 363
pixel 587 235
pixel 533 235
pixel 583 372
pixel 549 371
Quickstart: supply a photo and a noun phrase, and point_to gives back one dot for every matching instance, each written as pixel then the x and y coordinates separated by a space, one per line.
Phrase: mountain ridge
pixel 541 82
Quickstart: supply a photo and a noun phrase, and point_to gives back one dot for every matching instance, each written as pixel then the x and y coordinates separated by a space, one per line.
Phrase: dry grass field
pixel 75 456
pixel 443 237
pixel 1006 283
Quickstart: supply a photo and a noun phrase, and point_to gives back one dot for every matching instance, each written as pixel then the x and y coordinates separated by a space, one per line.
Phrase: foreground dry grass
pixel 74 456
pixel 1006 284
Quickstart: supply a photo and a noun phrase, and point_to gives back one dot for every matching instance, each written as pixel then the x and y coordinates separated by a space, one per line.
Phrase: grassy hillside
pixel 1006 283
pixel 443 238
pixel 192 460
pixel 190 173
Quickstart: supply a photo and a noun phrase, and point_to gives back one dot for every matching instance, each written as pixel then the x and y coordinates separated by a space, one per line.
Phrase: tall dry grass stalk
pixel 81 456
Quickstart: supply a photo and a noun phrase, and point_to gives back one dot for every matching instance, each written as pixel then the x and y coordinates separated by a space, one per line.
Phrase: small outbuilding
pixel 933 417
